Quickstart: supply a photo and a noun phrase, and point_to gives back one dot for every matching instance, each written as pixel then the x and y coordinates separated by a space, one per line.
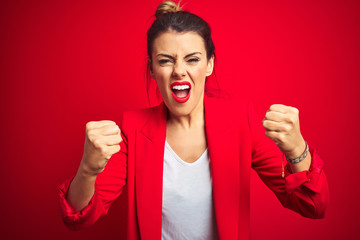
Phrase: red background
pixel 64 63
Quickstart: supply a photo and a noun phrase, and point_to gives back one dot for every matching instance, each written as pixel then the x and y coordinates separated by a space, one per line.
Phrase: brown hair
pixel 170 16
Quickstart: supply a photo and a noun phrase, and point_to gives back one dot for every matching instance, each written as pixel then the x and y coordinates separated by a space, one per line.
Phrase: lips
pixel 181 91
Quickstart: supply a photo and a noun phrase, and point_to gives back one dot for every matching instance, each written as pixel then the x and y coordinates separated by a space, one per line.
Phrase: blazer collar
pixel 155 127
pixel 149 158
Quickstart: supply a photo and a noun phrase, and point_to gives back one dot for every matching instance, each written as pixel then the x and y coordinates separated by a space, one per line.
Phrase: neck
pixel 194 119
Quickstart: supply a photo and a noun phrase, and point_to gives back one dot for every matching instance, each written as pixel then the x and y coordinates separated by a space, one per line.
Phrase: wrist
pixel 297 151
pixel 293 159
pixel 86 173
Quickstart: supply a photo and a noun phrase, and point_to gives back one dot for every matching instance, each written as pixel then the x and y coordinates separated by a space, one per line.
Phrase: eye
pixel 164 61
pixel 193 60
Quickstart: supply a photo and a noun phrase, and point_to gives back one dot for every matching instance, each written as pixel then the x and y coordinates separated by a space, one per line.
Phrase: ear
pixel 149 62
pixel 210 66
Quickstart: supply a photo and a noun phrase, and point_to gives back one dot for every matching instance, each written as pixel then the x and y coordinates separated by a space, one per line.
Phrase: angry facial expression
pixel 180 66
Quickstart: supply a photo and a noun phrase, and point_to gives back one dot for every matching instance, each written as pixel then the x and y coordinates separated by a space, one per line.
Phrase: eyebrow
pixel 169 56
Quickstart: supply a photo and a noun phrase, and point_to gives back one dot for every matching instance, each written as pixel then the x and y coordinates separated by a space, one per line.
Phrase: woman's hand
pixel 282 126
pixel 101 142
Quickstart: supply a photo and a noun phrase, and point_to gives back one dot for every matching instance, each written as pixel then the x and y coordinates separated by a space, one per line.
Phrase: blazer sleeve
pixel 108 186
pixel 304 192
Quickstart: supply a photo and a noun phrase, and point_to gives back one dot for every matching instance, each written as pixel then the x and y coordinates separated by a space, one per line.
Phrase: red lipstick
pixel 181 91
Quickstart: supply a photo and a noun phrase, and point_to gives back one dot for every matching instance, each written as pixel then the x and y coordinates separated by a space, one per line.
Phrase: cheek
pixel 159 75
pixel 162 73
pixel 199 75
pixel 161 84
pixel 162 81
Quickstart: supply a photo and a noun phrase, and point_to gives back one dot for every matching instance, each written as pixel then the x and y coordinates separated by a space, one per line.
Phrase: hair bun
pixel 167 7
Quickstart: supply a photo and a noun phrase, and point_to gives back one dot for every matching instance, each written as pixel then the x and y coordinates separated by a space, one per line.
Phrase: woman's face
pixel 180 66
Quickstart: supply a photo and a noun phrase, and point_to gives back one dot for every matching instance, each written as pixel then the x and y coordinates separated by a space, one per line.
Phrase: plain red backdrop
pixel 64 63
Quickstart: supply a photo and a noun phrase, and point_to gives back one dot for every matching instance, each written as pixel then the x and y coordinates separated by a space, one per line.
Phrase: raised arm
pixel 101 142
pixel 100 178
pixel 301 186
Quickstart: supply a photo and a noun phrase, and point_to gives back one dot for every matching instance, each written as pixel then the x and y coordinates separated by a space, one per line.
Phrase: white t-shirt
pixel 187 211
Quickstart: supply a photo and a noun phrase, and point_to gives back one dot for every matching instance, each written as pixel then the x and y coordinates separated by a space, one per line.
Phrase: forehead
pixel 174 43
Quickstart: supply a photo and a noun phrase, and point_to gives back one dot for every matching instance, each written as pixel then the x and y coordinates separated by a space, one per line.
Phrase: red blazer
pixel 236 143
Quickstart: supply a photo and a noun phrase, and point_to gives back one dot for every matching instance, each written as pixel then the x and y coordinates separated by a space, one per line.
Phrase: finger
pixel 113 140
pixel 279 108
pixel 274 126
pixel 109 130
pixel 277 137
pixel 275 116
pixel 112 150
pixel 271 134
pixel 99 124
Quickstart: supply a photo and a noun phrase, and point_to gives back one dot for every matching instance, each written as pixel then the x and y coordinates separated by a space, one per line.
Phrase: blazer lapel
pixel 223 144
pixel 150 142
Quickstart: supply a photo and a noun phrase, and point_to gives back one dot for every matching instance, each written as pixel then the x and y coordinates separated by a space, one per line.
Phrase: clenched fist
pixel 101 142
pixel 282 126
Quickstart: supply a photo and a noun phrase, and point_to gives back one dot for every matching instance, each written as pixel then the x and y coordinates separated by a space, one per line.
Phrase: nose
pixel 179 70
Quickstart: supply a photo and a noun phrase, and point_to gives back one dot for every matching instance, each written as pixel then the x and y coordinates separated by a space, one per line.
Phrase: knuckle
pixel 103 151
pixel 97 143
pixel 90 133
pixel 113 128
pixel 281 138
pixel 287 128
pixel 89 124
pixel 293 119
pixel 273 105
pixel 295 110
pixel 276 106
pixel 267 115
pixel 106 122
pixel 91 138
pixel 264 123
pixel 107 129
pixel 117 148
pixel 267 133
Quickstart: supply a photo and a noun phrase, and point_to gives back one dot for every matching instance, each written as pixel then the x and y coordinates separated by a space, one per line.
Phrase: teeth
pixel 181 87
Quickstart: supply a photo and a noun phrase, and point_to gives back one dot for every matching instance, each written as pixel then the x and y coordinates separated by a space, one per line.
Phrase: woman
pixel 186 163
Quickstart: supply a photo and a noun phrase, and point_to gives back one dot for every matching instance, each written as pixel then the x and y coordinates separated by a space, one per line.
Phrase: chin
pixel 181 109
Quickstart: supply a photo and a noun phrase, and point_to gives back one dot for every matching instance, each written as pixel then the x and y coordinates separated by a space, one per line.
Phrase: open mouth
pixel 181 91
